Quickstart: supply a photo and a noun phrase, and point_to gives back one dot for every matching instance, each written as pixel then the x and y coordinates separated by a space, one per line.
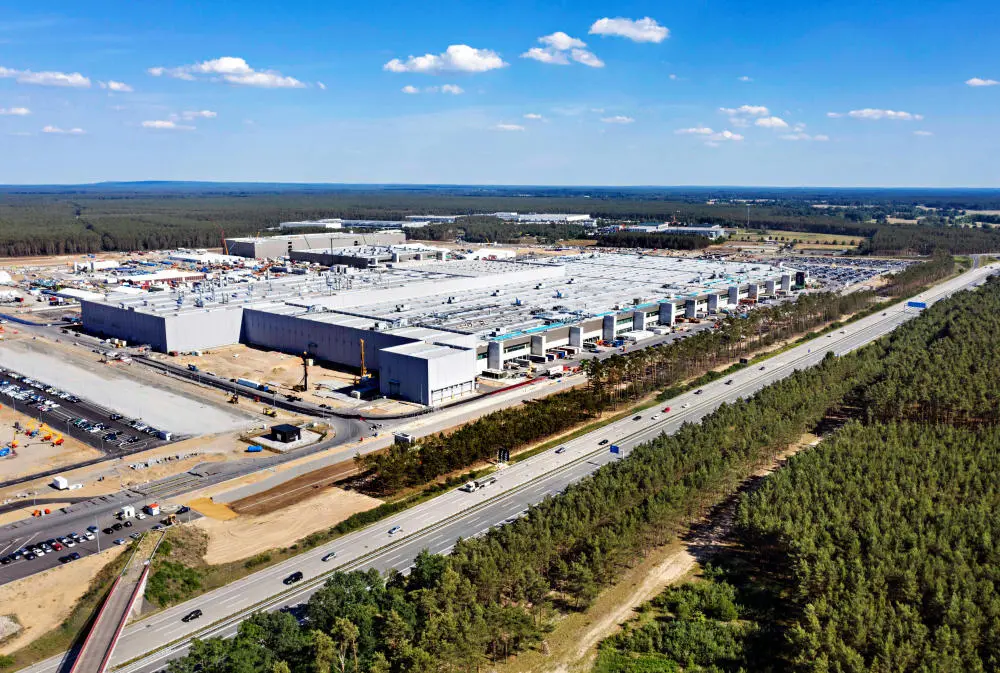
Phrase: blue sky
pixel 694 92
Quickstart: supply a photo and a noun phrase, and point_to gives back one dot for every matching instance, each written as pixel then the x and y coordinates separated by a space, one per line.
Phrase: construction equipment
pixel 303 385
pixel 234 399
pixel 364 370
pixel 268 411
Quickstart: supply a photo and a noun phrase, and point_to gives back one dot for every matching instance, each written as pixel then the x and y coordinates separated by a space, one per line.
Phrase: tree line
pixel 875 550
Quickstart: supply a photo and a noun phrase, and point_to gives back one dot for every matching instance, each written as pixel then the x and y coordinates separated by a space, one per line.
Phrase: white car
pixel 655 417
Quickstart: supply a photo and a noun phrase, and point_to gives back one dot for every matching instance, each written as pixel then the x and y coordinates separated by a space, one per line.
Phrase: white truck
pixel 474 486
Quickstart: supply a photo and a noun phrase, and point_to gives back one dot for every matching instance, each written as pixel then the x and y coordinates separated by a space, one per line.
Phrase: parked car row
pixel 37 549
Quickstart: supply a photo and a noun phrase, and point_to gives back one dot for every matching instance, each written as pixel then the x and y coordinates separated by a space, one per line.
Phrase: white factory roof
pixel 75 293
pixel 423 350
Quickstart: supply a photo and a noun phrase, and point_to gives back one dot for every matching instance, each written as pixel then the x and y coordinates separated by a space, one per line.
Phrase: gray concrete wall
pixel 134 326
pixel 219 326
pixel 336 343
pixel 427 380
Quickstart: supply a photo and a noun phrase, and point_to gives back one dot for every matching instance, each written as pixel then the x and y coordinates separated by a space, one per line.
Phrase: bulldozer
pixel 269 411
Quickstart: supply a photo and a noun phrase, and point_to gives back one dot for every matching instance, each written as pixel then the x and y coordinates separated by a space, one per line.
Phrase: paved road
pixel 436 524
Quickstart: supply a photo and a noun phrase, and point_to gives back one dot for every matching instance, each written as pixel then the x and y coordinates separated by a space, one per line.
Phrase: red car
pixel 666 409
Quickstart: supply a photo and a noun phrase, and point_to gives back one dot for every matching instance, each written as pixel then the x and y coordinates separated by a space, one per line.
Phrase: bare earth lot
pixel 41 602
pixel 33 454
pixel 243 536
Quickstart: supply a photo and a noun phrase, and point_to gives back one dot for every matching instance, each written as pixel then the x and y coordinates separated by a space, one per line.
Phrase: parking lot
pixel 65 413
pixel 20 557
pixel 843 272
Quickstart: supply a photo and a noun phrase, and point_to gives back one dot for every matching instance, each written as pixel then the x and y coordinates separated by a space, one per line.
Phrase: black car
pixel 116 526
pixel 293 578
pixel 637 418
pixel 6 560
pixel 127 524
pixel 108 531
pixel 75 556
pixel 603 442
pixel 194 614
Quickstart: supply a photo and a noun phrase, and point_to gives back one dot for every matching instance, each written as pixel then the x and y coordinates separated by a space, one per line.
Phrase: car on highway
pixel 666 410
pixel 602 442
pixel 655 417
pixel 729 382
pixel 762 368
pixel 637 418
pixel 194 614
pixel 699 391
pixel 561 449
pixel 395 529
pixel 685 405
pixel 294 577
pixel 329 557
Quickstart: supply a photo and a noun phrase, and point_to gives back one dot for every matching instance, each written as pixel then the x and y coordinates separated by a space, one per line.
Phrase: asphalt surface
pixel 436 524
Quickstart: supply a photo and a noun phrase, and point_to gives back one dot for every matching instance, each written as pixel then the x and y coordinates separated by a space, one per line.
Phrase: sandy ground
pixel 41 602
pixel 212 509
pixel 25 512
pixel 245 536
pixel 241 361
pixel 35 454
pixel 117 473
pixel 109 388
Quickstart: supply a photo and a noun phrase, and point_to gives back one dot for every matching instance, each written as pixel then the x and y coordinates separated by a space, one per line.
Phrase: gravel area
pixel 159 408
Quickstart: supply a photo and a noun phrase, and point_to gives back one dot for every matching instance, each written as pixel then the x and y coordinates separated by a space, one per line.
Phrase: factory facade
pixel 429 327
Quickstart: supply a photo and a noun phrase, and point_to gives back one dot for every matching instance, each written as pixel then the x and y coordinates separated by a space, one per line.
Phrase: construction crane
pixel 364 370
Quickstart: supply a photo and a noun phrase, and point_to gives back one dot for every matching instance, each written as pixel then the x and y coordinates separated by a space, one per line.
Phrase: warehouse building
pixel 370 256
pixel 282 246
pixel 428 328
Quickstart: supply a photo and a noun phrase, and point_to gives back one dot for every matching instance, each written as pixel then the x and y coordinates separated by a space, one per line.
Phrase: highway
pixel 436 524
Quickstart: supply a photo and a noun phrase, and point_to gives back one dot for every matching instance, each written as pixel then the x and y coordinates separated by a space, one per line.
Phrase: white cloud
pixel 799 135
pixel 672 76
pixel 509 127
pixel 196 114
pixel 976 81
pixel 457 58
pixel 534 115
pixel 745 78
pixel 166 124
pixel 15 111
pixel 639 30
pixel 560 41
pixel 876 113
pixel 695 131
pixel 560 48
pixel 587 58
pixel 120 87
pixel 746 111
pixel 546 56
pixel 772 123
pixel 231 69
pixel 725 135
pixel 68 132
pixel 452 89
pixel 321 86
pixel 922 133
pixel 617 119
pixel 46 78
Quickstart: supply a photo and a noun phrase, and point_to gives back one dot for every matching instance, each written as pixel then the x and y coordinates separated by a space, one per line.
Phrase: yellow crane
pixel 364 372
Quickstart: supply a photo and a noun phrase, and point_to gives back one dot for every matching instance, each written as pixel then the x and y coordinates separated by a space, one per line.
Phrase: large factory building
pixel 428 326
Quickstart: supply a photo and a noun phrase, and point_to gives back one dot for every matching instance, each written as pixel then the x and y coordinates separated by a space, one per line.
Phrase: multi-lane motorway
pixel 436 524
